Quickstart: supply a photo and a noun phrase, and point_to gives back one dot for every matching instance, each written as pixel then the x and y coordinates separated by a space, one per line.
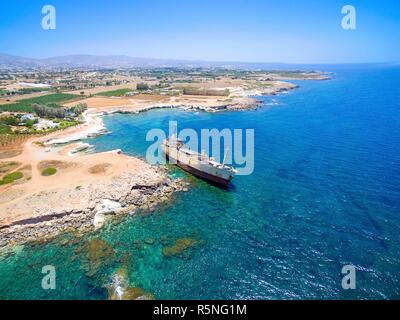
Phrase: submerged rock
pixel 180 246
pixel 149 241
pixel 98 253
pixel 135 293
pixel 119 288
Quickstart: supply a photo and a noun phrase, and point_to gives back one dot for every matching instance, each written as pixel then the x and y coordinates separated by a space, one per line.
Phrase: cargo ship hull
pixel 203 175
pixel 200 166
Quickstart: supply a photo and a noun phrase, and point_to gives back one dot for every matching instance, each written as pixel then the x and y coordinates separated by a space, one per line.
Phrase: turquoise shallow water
pixel 325 193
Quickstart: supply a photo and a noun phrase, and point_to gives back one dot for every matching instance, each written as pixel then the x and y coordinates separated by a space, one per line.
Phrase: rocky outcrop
pixel 120 289
pixel 103 209
pixel 85 208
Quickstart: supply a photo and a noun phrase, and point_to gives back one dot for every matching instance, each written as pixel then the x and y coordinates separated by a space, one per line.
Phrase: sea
pixel 324 197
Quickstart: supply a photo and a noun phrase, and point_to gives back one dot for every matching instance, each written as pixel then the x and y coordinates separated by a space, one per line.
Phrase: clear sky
pixel 298 31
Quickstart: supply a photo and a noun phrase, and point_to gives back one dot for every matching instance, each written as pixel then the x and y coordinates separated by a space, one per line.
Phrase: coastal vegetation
pixel 49 111
pixel 22 91
pixel 49 118
pixel 5 129
pixel 54 110
pixel 51 167
pixel 10 131
pixel 49 172
pixel 142 86
pixel 11 177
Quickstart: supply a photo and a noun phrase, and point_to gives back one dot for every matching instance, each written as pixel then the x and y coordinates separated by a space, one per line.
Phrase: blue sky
pixel 236 30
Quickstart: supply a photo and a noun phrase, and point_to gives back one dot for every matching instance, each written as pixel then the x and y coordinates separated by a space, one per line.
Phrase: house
pixel 44 124
pixel 70 115
pixel 27 117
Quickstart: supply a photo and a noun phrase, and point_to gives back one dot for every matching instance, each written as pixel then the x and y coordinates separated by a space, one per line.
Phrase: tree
pixel 10 121
pixel 30 123
pixel 49 111
pixel 142 86
pixel 78 109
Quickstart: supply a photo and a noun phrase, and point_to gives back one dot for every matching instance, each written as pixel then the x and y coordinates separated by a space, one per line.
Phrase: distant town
pixel 37 101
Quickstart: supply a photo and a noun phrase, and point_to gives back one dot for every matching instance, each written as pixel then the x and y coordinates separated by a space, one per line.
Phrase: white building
pixel 44 124
pixel 28 116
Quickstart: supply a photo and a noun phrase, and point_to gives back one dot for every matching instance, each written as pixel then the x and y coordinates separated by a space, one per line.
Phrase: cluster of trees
pixel 4 129
pixel 47 111
pixel 78 109
pixel 54 110
pixel 22 91
pixel 12 121
pixel 142 86
pixel 6 122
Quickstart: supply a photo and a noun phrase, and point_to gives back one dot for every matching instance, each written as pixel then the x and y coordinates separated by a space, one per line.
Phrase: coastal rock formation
pixel 180 247
pixel 98 253
pixel 119 289
pixel 106 207
pixel 84 207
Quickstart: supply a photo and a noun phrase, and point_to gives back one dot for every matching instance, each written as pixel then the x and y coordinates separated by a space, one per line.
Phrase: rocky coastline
pixel 124 194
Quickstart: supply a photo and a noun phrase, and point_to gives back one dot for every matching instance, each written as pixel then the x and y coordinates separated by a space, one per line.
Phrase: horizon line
pixel 202 60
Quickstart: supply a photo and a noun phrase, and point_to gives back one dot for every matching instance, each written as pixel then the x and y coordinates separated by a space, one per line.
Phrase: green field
pixel 32 90
pixel 11 177
pixel 4 128
pixel 8 93
pixel 25 105
pixel 115 93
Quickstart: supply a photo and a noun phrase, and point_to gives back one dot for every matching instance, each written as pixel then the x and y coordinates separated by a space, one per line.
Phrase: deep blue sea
pixel 325 193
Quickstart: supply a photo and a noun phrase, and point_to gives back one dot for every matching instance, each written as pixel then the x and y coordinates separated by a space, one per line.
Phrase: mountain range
pixel 93 61
pixel 10 62
pixel 90 62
